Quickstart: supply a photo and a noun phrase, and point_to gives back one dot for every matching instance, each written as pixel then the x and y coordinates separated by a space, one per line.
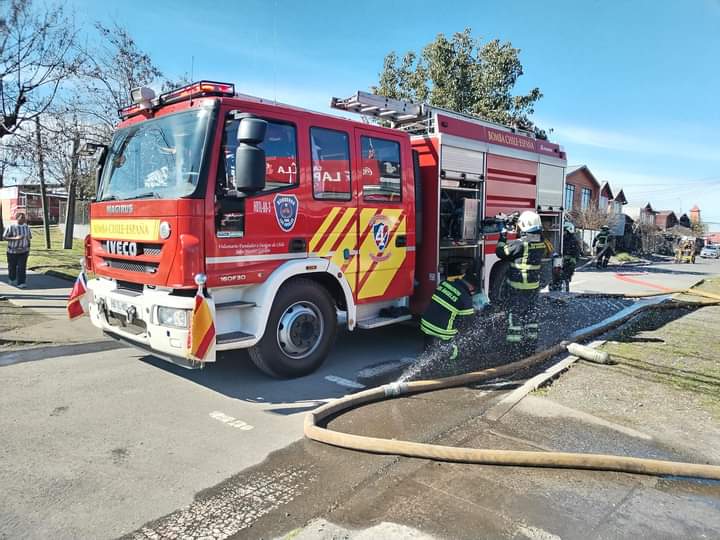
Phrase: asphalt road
pixel 95 445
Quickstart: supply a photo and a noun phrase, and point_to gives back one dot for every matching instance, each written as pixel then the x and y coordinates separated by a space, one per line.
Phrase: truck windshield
pixel 158 158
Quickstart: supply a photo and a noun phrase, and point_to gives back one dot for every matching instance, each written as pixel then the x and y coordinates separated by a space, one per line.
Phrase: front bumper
pixel 131 317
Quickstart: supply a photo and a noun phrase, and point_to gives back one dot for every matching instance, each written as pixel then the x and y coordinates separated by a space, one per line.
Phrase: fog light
pixel 168 316
pixel 164 230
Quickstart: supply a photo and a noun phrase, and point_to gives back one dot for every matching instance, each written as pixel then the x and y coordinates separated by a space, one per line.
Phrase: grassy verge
pixel 56 260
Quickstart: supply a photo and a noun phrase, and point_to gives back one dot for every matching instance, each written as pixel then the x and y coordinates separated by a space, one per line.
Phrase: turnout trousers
pixel 522 322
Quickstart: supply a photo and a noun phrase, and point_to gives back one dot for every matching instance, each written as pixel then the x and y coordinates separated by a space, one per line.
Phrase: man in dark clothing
pixel 603 249
pixel 18 248
pixel 450 311
pixel 571 252
pixel 523 282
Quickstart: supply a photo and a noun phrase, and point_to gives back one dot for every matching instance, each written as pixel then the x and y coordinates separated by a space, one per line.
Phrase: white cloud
pixel 679 146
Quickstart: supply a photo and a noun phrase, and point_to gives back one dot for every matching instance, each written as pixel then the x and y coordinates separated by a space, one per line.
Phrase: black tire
pixel 301 345
pixel 498 287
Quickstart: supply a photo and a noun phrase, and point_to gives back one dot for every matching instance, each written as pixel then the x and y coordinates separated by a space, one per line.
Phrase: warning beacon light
pixel 144 97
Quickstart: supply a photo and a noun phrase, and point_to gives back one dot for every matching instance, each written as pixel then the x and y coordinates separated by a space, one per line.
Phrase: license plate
pixel 118 306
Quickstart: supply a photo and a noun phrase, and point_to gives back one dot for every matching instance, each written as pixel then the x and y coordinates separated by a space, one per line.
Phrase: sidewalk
pixel 44 302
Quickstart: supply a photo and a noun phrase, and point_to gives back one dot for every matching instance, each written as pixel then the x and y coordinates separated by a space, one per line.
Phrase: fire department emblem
pixel 380 229
pixel 286 210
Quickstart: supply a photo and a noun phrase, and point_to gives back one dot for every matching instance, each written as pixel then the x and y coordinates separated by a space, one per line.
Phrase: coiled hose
pixel 314 420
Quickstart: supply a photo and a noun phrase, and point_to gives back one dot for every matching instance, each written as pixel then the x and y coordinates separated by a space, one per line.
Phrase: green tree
pixel 463 74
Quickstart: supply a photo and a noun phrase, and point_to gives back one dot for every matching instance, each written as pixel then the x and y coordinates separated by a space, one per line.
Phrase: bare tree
pixel 36 56
pixel 114 66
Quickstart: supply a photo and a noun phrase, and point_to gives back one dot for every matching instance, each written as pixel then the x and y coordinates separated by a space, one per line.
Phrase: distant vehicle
pixel 710 252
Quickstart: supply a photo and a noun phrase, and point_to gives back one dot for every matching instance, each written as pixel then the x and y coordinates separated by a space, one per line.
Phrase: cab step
pixel 236 304
pixel 233 337
pixel 377 322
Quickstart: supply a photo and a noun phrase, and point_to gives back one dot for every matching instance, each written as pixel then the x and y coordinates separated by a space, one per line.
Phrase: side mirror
pixel 249 157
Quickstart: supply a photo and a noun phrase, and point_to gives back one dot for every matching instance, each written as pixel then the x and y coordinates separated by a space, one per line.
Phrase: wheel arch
pixel 319 270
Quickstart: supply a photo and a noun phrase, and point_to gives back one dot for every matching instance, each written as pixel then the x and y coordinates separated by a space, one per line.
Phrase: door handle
pixel 401 240
pixel 297 245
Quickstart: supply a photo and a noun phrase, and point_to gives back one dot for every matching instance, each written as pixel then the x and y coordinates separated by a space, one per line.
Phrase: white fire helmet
pixel 529 222
pixel 569 227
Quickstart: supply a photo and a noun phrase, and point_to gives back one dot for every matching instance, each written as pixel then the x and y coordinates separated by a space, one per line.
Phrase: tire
pixel 498 287
pixel 300 331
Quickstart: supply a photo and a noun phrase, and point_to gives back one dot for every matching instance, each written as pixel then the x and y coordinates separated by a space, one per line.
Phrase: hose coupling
pixel 395 389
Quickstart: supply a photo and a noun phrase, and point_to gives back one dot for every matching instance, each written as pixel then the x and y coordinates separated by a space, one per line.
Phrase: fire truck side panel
pixel 426 272
pixel 510 184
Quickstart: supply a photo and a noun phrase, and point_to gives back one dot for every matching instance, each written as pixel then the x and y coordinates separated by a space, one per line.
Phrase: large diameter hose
pixel 314 419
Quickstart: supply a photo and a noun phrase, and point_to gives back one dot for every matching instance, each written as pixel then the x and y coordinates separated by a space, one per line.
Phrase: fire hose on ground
pixel 314 421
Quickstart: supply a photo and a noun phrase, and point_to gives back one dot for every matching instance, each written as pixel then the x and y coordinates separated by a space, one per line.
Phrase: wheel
pixel 498 287
pixel 300 331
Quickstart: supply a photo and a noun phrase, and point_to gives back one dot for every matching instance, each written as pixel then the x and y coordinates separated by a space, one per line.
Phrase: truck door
pixel 385 202
pixel 332 209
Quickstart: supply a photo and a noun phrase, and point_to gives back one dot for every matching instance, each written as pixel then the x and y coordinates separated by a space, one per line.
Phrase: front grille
pixel 152 250
pixel 131 266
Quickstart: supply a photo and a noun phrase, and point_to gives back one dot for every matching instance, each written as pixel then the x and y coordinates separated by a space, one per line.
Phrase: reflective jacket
pixel 450 301
pixel 601 240
pixel 525 256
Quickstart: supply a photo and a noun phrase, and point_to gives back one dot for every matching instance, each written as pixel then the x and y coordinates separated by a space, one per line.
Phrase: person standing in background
pixel 18 248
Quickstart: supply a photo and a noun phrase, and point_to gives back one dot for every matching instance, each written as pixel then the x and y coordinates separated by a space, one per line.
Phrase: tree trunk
pixel 72 188
pixel 41 176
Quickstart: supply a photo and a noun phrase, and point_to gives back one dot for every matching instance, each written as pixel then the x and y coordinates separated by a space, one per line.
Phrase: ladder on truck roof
pixel 397 111
pixel 415 118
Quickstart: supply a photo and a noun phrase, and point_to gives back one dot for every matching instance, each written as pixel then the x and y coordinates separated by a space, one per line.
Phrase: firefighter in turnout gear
pixel 449 312
pixel 570 251
pixel 523 282
pixel 603 249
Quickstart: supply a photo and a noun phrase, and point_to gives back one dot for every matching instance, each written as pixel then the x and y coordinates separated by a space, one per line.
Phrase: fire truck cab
pixel 295 221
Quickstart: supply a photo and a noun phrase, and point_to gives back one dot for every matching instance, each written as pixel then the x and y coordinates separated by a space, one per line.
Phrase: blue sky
pixel 631 88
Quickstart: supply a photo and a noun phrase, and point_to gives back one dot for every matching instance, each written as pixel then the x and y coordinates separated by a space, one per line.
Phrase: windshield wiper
pixel 153 194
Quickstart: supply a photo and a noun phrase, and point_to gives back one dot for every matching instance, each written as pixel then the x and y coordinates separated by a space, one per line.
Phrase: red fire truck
pixel 297 221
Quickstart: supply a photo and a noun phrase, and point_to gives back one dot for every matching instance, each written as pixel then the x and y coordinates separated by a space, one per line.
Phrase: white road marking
pixel 344 382
pixel 536 533
pixel 230 420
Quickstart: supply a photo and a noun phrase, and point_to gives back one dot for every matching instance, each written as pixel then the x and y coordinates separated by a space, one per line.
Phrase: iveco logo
pixel 119 208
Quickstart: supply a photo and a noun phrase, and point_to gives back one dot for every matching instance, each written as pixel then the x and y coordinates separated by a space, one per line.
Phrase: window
pixel 380 165
pixel 585 196
pixel 603 203
pixel 280 145
pixel 158 158
pixel 569 196
pixel 330 151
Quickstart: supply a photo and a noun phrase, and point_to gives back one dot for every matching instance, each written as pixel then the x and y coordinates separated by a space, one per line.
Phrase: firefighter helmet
pixel 569 227
pixel 529 222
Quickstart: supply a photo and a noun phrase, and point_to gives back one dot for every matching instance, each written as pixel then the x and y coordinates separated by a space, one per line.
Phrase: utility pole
pixel 72 188
pixel 41 176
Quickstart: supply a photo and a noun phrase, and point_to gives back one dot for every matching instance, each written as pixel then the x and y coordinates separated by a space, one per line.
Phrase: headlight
pixel 168 316
pixel 164 230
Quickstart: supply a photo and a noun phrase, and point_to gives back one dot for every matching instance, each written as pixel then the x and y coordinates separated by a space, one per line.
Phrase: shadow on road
pixel 235 376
